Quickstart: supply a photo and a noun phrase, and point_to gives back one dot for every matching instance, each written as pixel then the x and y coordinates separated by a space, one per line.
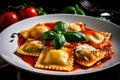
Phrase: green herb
pixel 79 10
pixel 69 9
pixel 74 10
pixel 60 26
pixel 29 40
pixel 59 41
pixel 49 35
pixel 60 35
pixel 79 55
pixel 75 36
pixel 104 18
pixel 93 51
pixel 35 49
pixel 41 11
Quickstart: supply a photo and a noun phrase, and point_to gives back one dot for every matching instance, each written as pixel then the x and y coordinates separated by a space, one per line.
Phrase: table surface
pixel 112 73
pixel 13 73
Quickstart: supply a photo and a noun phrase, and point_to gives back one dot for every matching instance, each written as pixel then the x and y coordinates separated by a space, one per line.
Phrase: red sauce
pixel 109 52
pixel 75 67
pixel 29 59
pixel 50 24
pixel 21 40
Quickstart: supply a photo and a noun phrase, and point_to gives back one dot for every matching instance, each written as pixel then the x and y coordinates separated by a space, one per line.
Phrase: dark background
pixel 49 6
pixel 108 4
pixel 55 6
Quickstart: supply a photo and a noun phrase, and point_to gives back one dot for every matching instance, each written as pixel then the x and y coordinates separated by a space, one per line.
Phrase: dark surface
pixel 10 72
pixel 109 74
pixel 55 6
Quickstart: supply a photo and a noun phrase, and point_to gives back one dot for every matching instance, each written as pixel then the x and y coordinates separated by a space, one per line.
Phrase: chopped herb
pixel 79 55
pixel 93 51
pixel 29 40
pixel 35 49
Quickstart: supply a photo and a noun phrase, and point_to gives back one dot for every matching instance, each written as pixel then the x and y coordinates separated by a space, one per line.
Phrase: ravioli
pixel 78 26
pixel 88 55
pixel 30 47
pixel 97 39
pixel 53 59
pixel 35 31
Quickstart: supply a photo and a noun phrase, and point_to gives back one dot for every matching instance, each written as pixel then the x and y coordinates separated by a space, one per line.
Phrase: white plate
pixel 7 48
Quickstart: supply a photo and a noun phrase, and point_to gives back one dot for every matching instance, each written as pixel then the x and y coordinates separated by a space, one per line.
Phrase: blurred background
pixel 110 7
pixel 109 4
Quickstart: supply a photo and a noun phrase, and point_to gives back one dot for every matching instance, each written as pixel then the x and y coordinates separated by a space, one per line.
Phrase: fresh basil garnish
pixel 48 35
pixel 79 55
pixel 58 41
pixel 93 51
pixel 60 26
pixel 60 35
pixel 75 36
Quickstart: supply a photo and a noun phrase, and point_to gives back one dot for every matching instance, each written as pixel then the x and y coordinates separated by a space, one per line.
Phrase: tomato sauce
pixel 29 59
pixel 50 24
pixel 109 52
pixel 21 40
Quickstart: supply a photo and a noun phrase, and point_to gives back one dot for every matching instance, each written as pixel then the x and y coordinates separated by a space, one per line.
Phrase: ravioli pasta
pixel 50 58
pixel 94 48
pixel 30 47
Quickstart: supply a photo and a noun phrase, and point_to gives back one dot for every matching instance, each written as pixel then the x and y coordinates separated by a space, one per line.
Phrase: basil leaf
pixel 69 9
pixel 79 10
pixel 79 55
pixel 48 35
pixel 93 51
pixel 75 36
pixel 59 41
pixel 60 26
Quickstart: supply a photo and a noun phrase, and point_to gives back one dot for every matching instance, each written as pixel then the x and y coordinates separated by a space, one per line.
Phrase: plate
pixel 8 48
